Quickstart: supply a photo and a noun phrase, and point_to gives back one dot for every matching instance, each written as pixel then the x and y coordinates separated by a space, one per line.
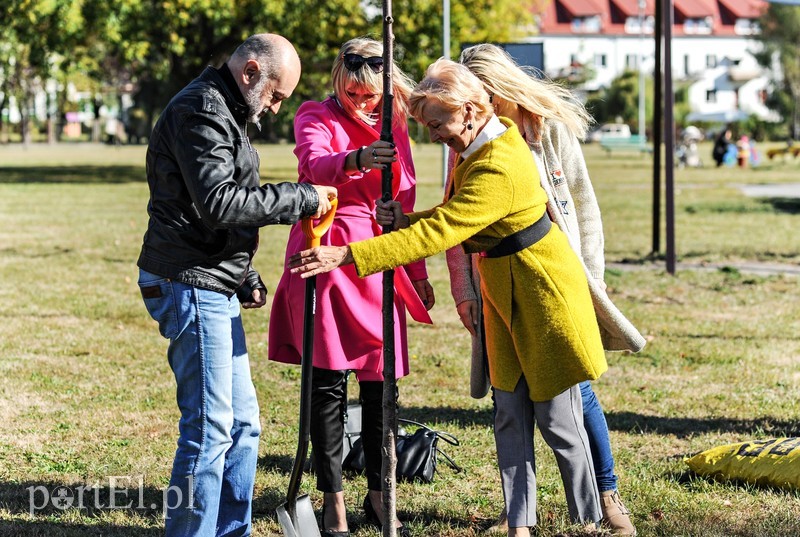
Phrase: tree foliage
pixel 37 35
pixel 780 36
pixel 620 101
pixel 419 33
pixel 158 46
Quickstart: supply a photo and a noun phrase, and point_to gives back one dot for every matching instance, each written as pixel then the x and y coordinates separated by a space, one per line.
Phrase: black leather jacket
pixel 206 204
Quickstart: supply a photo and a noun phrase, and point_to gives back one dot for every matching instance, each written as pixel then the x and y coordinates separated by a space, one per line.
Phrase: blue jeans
pixel 211 487
pixel 597 430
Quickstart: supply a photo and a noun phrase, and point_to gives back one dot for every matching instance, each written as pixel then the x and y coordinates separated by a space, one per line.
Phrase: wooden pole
pixel 389 466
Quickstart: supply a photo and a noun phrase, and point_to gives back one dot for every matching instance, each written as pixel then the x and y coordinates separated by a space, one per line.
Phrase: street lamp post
pixel 446 54
pixel 642 135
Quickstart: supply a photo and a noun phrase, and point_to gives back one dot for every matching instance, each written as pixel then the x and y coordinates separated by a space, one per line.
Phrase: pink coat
pixel 348 329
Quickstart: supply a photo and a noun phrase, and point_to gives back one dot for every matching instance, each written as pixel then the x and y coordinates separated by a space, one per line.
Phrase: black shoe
pixel 331 533
pixel 372 518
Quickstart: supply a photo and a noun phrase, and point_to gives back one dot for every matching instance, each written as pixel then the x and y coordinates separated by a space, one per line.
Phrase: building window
pixel 747 27
pixel 686 69
pixel 711 61
pixel 600 60
pixel 711 96
pixel 632 61
pixel 632 25
pixel 698 26
pixel 584 25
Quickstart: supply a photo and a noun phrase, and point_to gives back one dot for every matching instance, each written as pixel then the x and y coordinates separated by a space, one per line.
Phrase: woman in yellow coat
pixel 542 336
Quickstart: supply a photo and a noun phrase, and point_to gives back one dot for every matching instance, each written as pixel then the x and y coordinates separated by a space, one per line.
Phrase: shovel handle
pixel 314 233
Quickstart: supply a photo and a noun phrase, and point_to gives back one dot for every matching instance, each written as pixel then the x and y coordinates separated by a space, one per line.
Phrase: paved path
pixel 788 190
pixel 747 267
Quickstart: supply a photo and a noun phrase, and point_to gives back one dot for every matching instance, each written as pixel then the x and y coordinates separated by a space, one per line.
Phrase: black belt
pixel 522 239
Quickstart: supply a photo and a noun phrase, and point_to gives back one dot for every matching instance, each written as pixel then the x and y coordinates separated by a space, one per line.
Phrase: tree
pixel 157 47
pixel 620 101
pixel 780 36
pixel 418 27
pixel 38 35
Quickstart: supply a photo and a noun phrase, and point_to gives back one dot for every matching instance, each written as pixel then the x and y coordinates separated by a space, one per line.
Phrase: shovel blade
pixel 297 518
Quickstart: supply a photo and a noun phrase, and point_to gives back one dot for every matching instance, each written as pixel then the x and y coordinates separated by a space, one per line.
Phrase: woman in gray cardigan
pixel 551 121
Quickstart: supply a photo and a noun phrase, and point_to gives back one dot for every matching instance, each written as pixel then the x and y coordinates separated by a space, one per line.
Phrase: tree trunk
pixel 3 123
pixel 25 121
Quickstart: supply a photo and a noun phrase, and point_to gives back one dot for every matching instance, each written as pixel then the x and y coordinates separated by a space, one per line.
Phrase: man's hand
pixel 468 312
pixel 259 299
pixel 326 194
pixel 425 292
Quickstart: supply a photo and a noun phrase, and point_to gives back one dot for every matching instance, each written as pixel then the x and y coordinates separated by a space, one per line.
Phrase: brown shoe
pixel 616 516
pixel 501 525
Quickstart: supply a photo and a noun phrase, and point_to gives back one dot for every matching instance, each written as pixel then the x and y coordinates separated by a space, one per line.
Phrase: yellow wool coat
pixel 538 312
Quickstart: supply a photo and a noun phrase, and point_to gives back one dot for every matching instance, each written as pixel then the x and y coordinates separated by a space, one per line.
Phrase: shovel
pixel 296 516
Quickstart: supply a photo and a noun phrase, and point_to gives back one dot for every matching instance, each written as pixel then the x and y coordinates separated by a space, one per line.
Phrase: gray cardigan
pixel 572 205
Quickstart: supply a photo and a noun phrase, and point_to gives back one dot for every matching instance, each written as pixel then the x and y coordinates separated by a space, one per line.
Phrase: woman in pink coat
pixel 338 145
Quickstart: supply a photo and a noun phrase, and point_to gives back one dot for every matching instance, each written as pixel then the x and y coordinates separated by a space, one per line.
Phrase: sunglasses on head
pixel 354 62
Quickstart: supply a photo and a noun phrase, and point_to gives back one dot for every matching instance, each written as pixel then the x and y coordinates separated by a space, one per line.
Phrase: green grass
pixel 86 392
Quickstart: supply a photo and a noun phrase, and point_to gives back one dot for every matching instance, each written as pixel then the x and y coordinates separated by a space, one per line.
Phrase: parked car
pixel 609 130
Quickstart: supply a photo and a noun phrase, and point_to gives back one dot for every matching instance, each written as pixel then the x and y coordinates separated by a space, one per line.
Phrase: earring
pixel 469 126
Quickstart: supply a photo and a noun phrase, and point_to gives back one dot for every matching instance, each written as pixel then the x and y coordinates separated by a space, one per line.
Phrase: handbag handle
pixel 447 437
pixel 450 461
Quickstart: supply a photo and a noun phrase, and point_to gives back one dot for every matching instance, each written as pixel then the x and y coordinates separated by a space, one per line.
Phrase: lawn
pixel 87 404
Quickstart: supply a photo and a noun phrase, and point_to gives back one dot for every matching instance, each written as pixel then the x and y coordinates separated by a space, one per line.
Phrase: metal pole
pixel 642 133
pixel 389 459
pixel 658 95
pixel 446 54
pixel 669 138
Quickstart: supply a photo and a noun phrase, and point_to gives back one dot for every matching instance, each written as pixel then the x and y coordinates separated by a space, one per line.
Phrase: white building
pixel 712 48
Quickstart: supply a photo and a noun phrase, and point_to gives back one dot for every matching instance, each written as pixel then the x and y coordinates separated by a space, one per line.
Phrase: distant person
pixel 542 336
pixel 721 144
pixel 338 144
pixel 551 122
pixel 743 151
pixel 205 210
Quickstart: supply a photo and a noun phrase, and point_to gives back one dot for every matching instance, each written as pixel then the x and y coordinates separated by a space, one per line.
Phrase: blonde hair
pixel 366 78
pixel 452 85
pixel 542 99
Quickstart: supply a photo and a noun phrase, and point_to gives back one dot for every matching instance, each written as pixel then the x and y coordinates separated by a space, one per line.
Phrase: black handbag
pixel 417 453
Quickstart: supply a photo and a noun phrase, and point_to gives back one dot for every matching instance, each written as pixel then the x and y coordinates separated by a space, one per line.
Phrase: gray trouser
pixel 561 424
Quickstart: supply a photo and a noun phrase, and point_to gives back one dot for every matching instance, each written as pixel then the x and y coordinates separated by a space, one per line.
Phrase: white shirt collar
pixel 493 129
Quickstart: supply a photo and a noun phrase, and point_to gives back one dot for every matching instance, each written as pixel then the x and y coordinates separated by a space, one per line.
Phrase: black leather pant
pixel 328 400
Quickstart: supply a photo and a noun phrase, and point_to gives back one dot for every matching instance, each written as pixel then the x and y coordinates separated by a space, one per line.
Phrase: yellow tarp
pixel 773 462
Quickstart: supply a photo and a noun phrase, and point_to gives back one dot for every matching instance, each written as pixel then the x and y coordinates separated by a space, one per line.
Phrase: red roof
pixel 695 9
pixel 744 9
pixel 630 8
pixel 556 17
pixel 582 8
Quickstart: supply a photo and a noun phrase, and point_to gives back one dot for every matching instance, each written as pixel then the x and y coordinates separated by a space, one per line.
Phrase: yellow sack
pixel 773 462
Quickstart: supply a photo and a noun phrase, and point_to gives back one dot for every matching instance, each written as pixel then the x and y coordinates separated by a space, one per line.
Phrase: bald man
pixel 195 271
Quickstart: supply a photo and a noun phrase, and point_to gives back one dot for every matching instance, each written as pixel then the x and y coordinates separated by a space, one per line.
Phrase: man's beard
pixel 253 100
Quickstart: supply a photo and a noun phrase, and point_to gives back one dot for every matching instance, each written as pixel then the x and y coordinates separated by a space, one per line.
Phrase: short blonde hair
pixel 452 85
pixel 541 98
pixel 366 78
